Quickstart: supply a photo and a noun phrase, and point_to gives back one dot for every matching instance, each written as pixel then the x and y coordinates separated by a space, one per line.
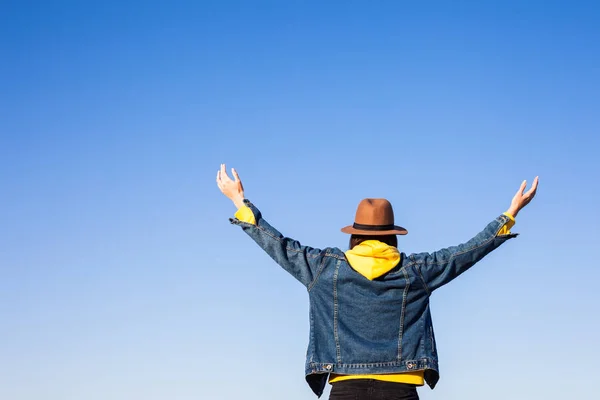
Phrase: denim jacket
pixel 359 326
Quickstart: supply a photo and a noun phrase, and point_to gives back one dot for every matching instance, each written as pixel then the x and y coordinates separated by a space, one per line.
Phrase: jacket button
pixel 410 365
pixel 328 367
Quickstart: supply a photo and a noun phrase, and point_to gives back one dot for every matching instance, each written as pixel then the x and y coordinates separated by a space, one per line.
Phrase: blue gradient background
pixel 120 276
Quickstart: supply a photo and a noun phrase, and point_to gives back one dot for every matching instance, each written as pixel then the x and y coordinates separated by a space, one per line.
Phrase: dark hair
pixel 391 240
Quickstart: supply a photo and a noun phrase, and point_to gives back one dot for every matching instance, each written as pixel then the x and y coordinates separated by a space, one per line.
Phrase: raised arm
pixel 440 267
pixel 302 262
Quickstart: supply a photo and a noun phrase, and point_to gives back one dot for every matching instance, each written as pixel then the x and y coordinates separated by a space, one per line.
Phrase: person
pixel 371 333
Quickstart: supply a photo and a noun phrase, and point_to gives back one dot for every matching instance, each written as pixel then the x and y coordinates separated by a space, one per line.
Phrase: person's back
pixel 370 325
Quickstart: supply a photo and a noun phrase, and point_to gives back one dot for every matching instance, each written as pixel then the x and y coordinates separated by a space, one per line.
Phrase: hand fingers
pixel 236 177
pixel 531 192
pixel 224 172
pixel 224 181
pixel 522 188
pixel 219 182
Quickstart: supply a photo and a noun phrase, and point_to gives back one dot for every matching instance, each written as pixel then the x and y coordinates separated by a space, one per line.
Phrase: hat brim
pixel 398 230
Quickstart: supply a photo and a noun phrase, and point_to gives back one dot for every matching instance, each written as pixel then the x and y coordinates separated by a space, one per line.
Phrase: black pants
pixel 370 389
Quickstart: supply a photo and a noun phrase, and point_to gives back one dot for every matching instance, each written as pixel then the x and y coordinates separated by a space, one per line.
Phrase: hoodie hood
pixel 373 258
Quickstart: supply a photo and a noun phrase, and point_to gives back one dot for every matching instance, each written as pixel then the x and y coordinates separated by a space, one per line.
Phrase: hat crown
pixel 374 217
pixel 374 212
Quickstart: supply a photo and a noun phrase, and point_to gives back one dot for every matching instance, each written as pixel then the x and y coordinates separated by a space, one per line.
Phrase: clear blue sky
pixel 120 275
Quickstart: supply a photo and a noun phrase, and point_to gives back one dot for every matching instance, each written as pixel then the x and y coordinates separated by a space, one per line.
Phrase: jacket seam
pixel 446 261
pixel 343 258
pixel 430 361
pixel 280 240
pixel 417 267
pixel 464 251
pixel 335 314
pixel 312 333
pixel 318 274
pixel 402 267
pixel 402 313
pixel 257 225
pixel 249 203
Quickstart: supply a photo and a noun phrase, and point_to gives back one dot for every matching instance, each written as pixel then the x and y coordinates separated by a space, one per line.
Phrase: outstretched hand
pixel 522 198
pixel 233 189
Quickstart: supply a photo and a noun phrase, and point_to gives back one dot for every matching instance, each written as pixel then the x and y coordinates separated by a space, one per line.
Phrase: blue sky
pixel 120 275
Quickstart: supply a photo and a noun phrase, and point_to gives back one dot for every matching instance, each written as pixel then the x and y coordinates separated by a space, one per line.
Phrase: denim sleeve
pixel 302 262
pixel 440 267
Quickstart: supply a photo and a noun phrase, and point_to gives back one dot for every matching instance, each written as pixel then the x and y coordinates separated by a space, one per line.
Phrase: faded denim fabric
pixel 358 326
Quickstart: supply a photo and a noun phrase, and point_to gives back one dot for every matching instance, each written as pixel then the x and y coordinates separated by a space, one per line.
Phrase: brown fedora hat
pixel 374 217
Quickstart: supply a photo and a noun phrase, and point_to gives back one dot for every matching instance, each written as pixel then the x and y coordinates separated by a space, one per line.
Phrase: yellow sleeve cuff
pixel 505 230
pixel 245 214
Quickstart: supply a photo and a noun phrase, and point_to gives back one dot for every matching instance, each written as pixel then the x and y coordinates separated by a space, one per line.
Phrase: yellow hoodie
pixel 373 258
